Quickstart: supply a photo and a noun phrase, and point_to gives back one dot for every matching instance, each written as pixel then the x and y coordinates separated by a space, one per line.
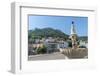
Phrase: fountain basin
pixel 75 53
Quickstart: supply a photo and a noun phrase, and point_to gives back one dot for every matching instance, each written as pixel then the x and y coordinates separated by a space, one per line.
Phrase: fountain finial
pixel 72 22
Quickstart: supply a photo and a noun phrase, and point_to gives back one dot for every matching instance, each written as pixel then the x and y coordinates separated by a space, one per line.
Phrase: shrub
pixel 69 43
pixel 41 50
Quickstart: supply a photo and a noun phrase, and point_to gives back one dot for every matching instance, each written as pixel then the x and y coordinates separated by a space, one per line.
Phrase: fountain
pixel 74 51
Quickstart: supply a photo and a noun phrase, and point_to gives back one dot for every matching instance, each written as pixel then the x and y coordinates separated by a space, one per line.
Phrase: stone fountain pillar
pixel 73 36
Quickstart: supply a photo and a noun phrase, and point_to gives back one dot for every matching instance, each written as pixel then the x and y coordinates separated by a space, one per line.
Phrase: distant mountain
pixel 84 38
pixel 50 32
pixel 46 32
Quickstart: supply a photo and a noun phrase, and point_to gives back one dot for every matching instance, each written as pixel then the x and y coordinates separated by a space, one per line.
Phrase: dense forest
pixel 45 33
pixel 50 32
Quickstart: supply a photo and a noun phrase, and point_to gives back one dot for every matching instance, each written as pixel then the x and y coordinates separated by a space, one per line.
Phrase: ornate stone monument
pixel 73 35
pixel 75 51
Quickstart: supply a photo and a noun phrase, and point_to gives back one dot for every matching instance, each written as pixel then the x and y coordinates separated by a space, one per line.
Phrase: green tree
pixel 69 43
pixel 41 50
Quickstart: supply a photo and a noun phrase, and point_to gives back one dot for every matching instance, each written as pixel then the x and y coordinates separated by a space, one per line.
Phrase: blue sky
pixel 62 23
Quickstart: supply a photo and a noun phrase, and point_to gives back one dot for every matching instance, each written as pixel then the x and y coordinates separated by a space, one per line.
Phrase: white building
pixel 62 45
pixel 53 46
pixel 83 43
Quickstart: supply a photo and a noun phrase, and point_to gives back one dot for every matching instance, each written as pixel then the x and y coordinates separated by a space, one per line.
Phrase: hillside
pixel 84 38
pixel 50 32
pixel 46 32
